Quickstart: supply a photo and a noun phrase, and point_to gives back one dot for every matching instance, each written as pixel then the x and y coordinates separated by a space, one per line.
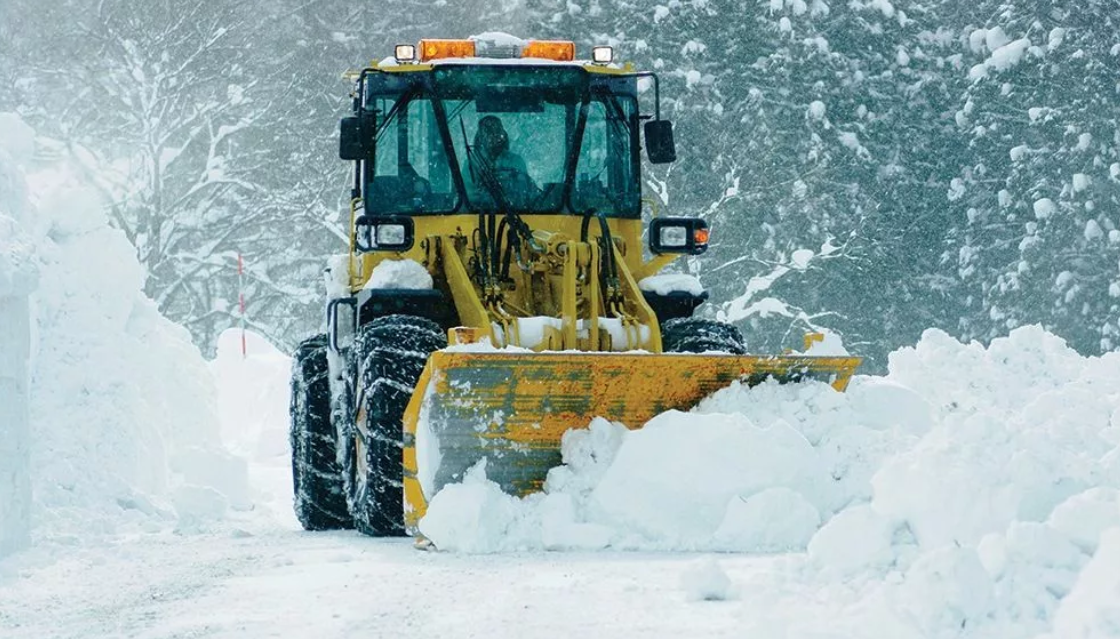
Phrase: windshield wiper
pixel 482 172
pixel 383 126
pixel 493 235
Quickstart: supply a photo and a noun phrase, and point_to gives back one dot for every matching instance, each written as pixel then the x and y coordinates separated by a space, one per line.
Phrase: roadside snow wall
pixel 253 396
pixel 122 432
pixel 17 281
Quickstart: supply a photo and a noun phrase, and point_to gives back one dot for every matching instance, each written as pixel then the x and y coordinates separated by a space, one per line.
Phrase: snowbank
pixel 253 396
pixel 971 487
pixel 753 470
pixel 123 433
pixel 18 271
pixel 122 401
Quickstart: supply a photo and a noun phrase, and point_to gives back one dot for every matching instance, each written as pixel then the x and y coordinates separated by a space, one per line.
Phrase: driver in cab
pixel 498 164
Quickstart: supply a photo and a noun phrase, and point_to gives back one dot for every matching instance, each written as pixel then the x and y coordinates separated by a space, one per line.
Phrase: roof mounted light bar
pixel 558 50
pixel 437 49
pixel 430 49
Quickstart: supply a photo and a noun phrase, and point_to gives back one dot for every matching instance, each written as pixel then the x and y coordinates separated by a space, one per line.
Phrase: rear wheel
pixel 320 502
pixel 697 335
pixel 387 358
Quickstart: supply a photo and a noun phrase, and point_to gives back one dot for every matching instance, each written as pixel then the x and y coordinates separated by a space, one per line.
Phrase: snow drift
pixel 17 280
pixel 253 396
pixel 123 428
pixel 977 487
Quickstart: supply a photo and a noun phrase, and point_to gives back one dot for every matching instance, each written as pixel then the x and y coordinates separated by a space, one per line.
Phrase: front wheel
pixel 387 358
pixel 320 503
pixel 697 335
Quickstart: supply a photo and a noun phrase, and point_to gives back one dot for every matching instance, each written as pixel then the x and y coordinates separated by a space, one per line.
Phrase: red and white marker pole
pixel 241 302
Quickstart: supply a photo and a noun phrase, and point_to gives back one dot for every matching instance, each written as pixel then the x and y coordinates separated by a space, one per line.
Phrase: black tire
pixel 696 335
pixel 320 502
pixel 387 358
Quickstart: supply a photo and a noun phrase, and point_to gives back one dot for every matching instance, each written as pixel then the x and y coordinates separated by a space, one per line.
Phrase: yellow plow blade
pixel 513 408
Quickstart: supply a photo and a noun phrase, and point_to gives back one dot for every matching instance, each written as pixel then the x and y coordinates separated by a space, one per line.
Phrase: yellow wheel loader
pixel 497 291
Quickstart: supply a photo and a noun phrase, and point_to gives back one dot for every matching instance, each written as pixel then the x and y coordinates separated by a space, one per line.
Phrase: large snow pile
pixel 747 470
pixel 253 396
pixel 17 280
pixel 123 428
pixel 979 486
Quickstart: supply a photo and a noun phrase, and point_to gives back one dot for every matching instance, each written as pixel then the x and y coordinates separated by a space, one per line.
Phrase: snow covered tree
pixel 872 167
pixel 1040 239
pixel 813 135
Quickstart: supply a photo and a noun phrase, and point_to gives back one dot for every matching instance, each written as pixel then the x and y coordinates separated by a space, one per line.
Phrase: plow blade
pixel 513 408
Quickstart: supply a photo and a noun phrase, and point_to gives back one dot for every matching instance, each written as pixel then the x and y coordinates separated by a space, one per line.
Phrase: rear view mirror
pixel 355 138
pixel 660 147
pixel 342 318
pixel 686 235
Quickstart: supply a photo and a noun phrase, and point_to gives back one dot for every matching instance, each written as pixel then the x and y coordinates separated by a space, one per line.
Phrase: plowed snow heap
pixel 495 293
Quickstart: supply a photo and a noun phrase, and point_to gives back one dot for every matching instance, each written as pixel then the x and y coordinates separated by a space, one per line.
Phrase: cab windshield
pixel 490 138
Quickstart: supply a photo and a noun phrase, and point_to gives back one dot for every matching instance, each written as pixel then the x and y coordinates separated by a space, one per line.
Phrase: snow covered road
pixel 857 495
pixel 288 583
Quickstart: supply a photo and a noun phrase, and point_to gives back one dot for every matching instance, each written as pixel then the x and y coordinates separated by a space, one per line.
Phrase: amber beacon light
pixel 436 49
pixel 558 50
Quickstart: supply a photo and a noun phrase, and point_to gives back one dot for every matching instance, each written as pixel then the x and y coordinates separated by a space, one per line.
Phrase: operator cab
pixel 455 133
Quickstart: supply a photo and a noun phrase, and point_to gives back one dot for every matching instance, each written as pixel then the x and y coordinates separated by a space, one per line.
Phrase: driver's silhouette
pixel 491 144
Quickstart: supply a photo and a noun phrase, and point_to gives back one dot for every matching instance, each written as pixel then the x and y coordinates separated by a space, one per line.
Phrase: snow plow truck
pixel 497 291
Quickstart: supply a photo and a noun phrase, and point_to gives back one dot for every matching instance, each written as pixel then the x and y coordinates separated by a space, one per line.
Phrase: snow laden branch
pixel 754 302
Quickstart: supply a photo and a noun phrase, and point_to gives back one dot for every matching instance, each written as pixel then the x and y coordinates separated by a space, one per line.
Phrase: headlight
pixel 389 233
pixel 688 235
pixel 405 53
pixel 673 236
pixel 602 54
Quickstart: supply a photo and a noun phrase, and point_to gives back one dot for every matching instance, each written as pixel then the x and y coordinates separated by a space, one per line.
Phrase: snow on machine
pixel 495 293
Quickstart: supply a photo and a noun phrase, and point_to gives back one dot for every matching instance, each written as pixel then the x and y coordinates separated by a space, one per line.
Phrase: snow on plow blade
pixel 513 408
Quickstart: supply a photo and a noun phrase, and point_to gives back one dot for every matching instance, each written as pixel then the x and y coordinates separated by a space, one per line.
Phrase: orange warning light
pixel 701 236
pixel 435 49
pixel 558 50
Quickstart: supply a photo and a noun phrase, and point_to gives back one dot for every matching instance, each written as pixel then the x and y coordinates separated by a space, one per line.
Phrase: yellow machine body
pixel 549 348
pixel 491 395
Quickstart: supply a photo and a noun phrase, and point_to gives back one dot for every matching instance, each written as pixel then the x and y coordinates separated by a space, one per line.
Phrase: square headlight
pixel 389 233
pixel 687 235
pixel 405 53
pixel 602 54
pixel 674 236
